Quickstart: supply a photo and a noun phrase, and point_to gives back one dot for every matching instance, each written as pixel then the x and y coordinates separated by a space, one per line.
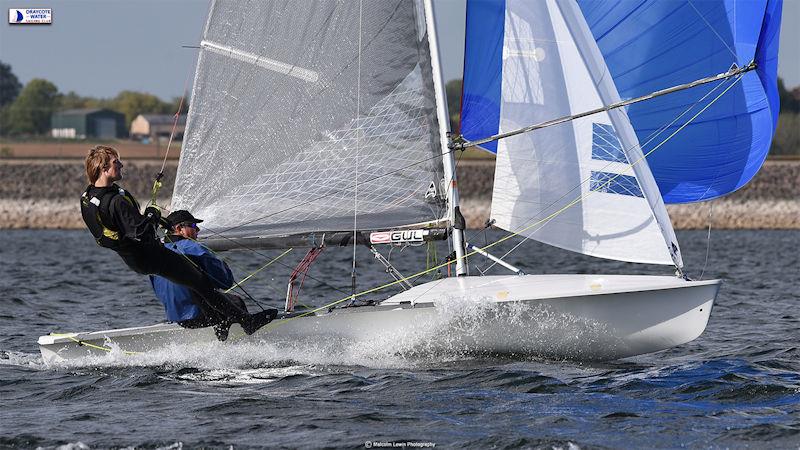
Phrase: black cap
pixel 181 216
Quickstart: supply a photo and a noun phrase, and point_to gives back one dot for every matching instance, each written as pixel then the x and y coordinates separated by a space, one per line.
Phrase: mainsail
pixel 582 185
pixel 305 115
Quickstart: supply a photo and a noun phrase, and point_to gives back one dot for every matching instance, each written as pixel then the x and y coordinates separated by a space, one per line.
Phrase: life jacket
pixel 97 215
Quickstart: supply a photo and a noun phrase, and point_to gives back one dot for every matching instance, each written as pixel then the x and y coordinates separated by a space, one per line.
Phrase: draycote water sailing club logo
pixel 30 16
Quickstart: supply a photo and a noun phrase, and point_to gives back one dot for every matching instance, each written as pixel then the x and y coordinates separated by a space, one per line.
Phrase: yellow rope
pixel 511 235
pixel 259 270
pixel 71 337
pixel 154 193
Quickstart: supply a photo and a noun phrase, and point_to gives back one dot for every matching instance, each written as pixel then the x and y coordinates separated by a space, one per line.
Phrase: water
pixel 736 386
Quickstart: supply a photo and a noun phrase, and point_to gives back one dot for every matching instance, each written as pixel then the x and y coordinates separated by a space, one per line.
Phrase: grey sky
pixel 101 47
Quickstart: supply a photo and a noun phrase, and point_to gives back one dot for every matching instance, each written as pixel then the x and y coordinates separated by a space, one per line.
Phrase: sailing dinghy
pixel 319 124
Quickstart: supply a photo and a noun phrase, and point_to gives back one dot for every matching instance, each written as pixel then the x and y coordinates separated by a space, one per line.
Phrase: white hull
pixel 585 317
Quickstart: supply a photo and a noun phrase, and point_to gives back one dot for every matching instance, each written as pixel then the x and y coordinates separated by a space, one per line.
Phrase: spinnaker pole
pixel 732 72
pixel 444 131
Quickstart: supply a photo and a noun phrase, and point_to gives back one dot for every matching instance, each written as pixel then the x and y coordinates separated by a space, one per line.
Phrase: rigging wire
pixel 735 74
pixel 358 143
pixel 708 237
pixel 510 235
pixel 735 57
pixel 157 182
pixel 734 71
pixel 447 263
pixel 253 250
pixel 739 73
pixel 650 139
pixel 330 194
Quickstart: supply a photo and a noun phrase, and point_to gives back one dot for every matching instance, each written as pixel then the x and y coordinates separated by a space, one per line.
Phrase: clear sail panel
pixel 310 117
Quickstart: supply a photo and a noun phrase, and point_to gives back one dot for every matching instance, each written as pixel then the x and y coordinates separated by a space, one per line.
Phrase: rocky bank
pixel 44 194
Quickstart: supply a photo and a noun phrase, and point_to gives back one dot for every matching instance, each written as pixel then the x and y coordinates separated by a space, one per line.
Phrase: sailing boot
pixel 253 322
pixel 221 330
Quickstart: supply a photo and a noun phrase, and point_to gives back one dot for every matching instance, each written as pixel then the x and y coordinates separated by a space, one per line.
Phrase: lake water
pixel 736 386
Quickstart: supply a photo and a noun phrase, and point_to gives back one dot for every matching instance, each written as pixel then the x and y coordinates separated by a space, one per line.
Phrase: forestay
pixel 528 62
pixel 276 142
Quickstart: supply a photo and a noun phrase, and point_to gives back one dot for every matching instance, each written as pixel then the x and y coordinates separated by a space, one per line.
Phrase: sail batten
pixel 261 61
pixel 276 128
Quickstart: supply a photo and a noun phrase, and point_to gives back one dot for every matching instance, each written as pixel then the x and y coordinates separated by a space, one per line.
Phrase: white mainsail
pixel 551 68
pixel 296 128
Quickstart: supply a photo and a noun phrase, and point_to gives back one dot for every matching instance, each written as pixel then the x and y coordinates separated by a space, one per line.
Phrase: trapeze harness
pixel 97 215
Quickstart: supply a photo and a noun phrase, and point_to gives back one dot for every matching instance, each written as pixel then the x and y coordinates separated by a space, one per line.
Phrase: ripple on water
pixel 736 386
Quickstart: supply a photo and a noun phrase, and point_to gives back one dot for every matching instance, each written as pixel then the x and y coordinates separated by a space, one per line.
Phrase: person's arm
pixel 129 221
pixel 215 268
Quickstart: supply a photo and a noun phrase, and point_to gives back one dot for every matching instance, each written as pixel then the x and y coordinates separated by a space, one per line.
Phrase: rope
pixel 300 271
pixel 708 237
pixel 250 249
pixel 157 182
pixel 355 192
pixel 258 270
pixel 469 254
pixel 90 345
pixel 511 235
pixel 735 57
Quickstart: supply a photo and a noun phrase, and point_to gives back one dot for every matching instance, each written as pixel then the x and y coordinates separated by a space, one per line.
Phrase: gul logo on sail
pixel 19 16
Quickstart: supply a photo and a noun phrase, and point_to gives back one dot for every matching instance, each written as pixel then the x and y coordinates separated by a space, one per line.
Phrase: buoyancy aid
pixel 96 212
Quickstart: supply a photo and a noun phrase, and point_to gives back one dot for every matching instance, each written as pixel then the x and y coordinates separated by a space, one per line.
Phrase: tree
pixel 787 136
pixel 789 103
pixel 134 103
pixel 71 100
pixel 453 92
pixel 176 101
pixel 9 85
pixel 30 113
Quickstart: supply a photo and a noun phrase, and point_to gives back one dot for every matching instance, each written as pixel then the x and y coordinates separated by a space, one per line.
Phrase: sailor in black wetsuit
pixel 112 215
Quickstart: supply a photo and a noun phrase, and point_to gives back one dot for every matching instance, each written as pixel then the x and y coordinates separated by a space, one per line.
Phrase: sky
pixel 101 47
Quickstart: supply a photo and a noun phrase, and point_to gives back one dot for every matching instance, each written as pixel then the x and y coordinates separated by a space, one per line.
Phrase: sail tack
pixel 582 185
pixel 650 45
pixel 295 128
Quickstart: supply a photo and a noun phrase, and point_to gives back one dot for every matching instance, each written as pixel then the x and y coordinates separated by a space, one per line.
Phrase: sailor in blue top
pixel 179 301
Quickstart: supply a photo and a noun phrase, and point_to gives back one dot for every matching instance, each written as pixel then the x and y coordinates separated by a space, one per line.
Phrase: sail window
pixel 612 183
pixel 606 145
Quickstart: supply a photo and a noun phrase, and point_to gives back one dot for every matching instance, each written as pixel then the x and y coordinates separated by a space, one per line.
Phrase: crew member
pixel 112 216
pixel 178 300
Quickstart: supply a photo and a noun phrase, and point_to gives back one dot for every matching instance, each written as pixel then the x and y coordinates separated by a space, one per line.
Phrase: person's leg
pixel 179 269
pixel 199 322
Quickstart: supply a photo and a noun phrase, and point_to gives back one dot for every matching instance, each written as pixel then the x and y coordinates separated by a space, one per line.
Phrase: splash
pixel 458 327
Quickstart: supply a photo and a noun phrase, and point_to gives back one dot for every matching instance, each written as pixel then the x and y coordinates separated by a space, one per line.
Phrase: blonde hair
pixel 99 159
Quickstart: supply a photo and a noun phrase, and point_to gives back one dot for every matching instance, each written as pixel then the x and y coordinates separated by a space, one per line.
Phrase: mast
pixel 444 131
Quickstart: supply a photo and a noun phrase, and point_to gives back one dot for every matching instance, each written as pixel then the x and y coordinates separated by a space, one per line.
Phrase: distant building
pixel 154 126
pixel 87 123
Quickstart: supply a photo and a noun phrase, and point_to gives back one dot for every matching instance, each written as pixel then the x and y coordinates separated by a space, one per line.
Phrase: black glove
pixel 153 215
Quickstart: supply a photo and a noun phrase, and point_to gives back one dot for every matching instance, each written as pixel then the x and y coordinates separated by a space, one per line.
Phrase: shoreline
pixel 770 201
